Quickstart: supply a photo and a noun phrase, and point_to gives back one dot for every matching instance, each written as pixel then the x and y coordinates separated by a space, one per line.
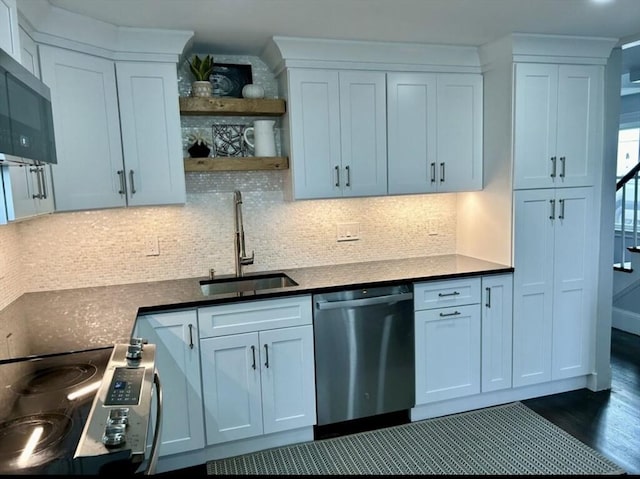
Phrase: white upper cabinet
pixel 434 132
pixel 29 53
pixel 557 124
pixel 9 34
pixel 117 128
pixel 338 133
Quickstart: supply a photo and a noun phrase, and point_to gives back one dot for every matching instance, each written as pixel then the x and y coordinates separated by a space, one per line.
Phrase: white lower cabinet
pixel 447 339
pixel 178 362
pixel 258 373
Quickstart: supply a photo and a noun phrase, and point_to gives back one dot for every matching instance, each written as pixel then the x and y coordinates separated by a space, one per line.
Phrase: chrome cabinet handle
pixel 348 175
pixel 562 166
pixel 488 303
pixel 553 209
pixel 553 167
pixel 433 172
pixel 561 215
pixel 337 175
pixel 37 172
pixel 442 295
pixel 253 353
pixel 44 183
pixel 133 187
pixel 122 185
pixel 455 313
pixel 266 355
pixel 191 336
pixel 441 172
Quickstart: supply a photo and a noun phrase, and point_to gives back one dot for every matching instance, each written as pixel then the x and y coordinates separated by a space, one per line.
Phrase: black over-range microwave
pixel 26 121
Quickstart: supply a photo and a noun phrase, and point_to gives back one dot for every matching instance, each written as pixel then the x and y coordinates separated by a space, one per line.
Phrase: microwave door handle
pixel 155 445
pixel 352 303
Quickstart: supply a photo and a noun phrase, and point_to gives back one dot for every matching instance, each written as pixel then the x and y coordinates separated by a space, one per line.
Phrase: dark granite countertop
pixel 83 318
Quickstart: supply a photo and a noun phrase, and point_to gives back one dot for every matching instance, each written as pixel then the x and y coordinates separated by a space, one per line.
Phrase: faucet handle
pixel 247 259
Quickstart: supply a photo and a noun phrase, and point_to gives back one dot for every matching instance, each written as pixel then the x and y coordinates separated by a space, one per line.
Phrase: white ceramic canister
pixel 264 143
pixel 252 91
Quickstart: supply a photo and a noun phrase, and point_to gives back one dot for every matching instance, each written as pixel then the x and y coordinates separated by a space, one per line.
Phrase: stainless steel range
pixel 83 412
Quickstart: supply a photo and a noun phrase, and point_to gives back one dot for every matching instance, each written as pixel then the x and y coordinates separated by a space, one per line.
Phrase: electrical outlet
pixel 348 231
pixel 151 246
pixel 432 228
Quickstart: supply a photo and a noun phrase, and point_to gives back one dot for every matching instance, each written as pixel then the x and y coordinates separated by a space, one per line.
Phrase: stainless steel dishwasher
pixel 364 352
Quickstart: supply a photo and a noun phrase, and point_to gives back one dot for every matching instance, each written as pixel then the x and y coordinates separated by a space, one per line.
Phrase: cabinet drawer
pixel 254 316
pixel 442 294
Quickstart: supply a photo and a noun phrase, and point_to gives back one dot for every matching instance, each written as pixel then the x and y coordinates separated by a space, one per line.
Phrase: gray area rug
pixel 507 439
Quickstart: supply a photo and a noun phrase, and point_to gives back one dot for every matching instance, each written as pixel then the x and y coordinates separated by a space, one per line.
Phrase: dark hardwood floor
pixel 608 421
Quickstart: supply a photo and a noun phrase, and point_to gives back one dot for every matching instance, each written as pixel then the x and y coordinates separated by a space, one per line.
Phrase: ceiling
pixel 243 27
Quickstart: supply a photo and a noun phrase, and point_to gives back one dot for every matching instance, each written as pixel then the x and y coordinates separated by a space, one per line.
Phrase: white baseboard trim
pixel 625 320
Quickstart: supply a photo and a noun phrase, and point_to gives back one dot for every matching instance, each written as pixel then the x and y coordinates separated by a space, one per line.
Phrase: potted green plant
pixel 201 68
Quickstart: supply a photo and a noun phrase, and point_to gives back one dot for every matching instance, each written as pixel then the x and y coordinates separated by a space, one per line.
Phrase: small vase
pixel 201 88
pixel 252 91
pixel 199 150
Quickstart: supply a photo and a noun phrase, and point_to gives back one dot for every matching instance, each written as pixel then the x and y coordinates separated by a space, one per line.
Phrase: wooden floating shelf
pixel 244 163
pixel 221 106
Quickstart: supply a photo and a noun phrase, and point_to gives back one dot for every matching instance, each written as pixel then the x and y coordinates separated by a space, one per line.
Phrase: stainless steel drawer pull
pixel 253 353
pixel 553 167
pixel 37 172
pixel 442 295
pixel 44 184
pixel 337 175
pixel 191 336
pixel 348 175
pixel 122 185
pixel 488 303
pixel 562 166
pixel 455 313
pixel 553 209
pixel 433 172
pixel 441 172
pixel 133 187
pixel 561 215
pixel 266 355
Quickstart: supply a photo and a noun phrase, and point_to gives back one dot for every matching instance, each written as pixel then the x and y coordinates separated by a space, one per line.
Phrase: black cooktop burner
pixel 41 432
pixel 54 379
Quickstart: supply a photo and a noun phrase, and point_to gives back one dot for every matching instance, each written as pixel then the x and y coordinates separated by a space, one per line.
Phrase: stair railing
pixel 630 179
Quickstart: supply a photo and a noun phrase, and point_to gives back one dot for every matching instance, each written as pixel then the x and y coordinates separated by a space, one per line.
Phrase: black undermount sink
pixel 246 283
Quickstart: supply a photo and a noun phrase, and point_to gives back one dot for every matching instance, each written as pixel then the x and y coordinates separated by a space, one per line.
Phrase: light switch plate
pixel 348 231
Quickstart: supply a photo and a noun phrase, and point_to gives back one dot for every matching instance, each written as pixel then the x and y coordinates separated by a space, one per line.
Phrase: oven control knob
pixel 138 342
pixel 119 415
pixel 134 352
pixel 114 435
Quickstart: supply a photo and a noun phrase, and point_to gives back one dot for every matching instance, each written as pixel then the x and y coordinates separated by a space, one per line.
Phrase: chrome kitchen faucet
pixel 241 257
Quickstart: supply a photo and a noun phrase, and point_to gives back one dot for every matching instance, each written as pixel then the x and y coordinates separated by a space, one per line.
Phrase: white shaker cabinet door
pixel 87 129
pixel 151 141
pixel 314 119
pixel 288 378
pixel 175 335
pixel 231 387
pixel 411 129
pixel 9 35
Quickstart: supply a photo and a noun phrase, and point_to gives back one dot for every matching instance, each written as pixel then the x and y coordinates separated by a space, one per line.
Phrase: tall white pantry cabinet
pixel 557 156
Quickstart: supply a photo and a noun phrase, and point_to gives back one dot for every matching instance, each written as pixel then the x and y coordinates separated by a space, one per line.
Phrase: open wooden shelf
pixel 222 106
pixel 244 163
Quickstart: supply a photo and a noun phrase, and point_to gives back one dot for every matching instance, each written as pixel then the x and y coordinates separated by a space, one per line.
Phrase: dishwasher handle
pixel 354 303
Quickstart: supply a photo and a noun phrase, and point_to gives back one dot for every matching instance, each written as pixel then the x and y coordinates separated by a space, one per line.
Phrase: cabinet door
pixel 497 326
pixel 447 353
pixel 177 360
pixel 231 387
pixel 363 120
pixel 29 53
pixel 579 116
pixel 288 379
pixel 574 282
pixel 9 36
pixel 18 183
pixel 459 137
pixel 151 142
pixel 87 129
pixel 411 124
pixel 533 286
pixel 314 119
pixel 535 128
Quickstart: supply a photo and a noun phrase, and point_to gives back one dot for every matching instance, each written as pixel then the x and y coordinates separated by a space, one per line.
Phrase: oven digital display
pixel 120 385
pixel 125 387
